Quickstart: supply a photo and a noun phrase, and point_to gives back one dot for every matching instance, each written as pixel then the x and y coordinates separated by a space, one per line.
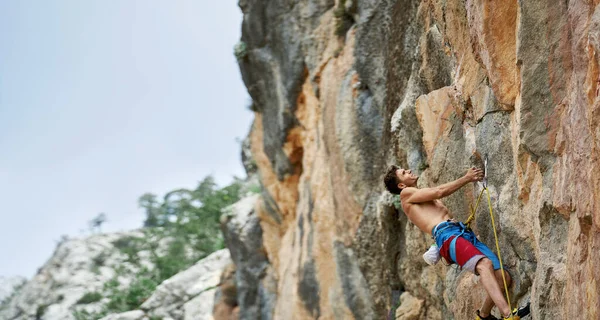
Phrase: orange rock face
pixel 431 86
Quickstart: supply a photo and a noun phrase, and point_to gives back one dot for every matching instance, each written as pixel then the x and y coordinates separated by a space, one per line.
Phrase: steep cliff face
pixel 343 88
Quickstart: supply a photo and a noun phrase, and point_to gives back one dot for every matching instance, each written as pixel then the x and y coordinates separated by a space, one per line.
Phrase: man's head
pixel 397 179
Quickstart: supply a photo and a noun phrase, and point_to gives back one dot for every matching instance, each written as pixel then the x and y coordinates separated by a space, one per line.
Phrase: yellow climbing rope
pixel 468 224
pixel 472 216
pixel 498 249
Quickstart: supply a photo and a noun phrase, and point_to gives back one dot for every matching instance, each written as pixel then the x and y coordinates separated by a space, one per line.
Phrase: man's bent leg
pixel 488 304
pixel 488 279
pixel 498 274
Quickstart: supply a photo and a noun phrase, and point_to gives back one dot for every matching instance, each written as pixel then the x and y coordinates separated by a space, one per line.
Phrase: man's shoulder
pixel 408 191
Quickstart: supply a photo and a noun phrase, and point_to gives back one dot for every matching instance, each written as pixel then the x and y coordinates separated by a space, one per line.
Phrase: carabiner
pixel 485 166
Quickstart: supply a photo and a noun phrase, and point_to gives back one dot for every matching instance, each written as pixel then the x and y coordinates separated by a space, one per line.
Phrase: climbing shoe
pixel 522 311
pixel 489 317
pixel 518 313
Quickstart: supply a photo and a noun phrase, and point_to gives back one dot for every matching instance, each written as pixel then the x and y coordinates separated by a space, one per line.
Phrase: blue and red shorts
pixel 468 249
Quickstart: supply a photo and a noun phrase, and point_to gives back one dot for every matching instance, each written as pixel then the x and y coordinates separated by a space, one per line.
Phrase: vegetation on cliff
pixel 180 228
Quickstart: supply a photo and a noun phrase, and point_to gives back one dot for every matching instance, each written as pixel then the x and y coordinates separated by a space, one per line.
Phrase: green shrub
pixel 124 243
pixel 85 315
pixel 90 297
pixel 139 291
pixel 397 203
pixel 130 246
pixel 240 50
pixel 173 261
pixel 41 309
pixel 130 298
pixel 343 19
pixel 255 189
pixel 99 259
pixel 253 107
pixel 189 220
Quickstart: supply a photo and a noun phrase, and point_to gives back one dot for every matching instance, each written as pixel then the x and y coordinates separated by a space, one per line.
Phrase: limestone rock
pixel 225 307
pixel 130 315
pixel 243 236
pixel 8 286
pixel 433 86
pixel 410 307
pixel 190 293
pixel 81 266
pixel 77 267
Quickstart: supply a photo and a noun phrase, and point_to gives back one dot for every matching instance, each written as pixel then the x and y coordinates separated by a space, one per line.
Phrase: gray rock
pixel 8 287
pixel 190 293
pixel 130 315
pixel 544 75
pixel 273 73
pixel 541 139
pixel 78 266
pixel 243 236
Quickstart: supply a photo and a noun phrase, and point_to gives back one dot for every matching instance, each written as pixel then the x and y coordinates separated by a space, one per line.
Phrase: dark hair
pixel 391 180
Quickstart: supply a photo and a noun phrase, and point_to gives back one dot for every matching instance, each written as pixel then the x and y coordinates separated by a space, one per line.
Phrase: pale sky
pixel 104 100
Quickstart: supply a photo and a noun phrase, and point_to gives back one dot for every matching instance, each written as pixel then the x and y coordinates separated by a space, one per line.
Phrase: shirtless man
pixel 424 209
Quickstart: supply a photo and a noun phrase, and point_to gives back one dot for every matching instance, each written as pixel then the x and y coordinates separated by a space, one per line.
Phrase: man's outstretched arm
pixel 414 195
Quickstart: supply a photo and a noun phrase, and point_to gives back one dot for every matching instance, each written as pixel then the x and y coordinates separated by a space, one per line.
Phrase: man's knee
pixel 506 276
pixel 484 265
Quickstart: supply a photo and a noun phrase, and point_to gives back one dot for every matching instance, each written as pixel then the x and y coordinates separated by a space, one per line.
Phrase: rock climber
pixel 424 209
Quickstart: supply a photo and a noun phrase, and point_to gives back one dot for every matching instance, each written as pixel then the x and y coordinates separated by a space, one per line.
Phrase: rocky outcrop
pixel 129 315
pixel 226 305
pixel 343 88
pixel 8 286
pixel 188 295
pixel 254 284
pixel 77 267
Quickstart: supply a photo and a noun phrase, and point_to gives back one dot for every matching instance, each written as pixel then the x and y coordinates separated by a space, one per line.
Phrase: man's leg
pixel 488 279
pixel 488 304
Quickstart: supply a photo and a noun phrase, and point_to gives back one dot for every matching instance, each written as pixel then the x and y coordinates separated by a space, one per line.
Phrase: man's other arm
pixel 414 195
